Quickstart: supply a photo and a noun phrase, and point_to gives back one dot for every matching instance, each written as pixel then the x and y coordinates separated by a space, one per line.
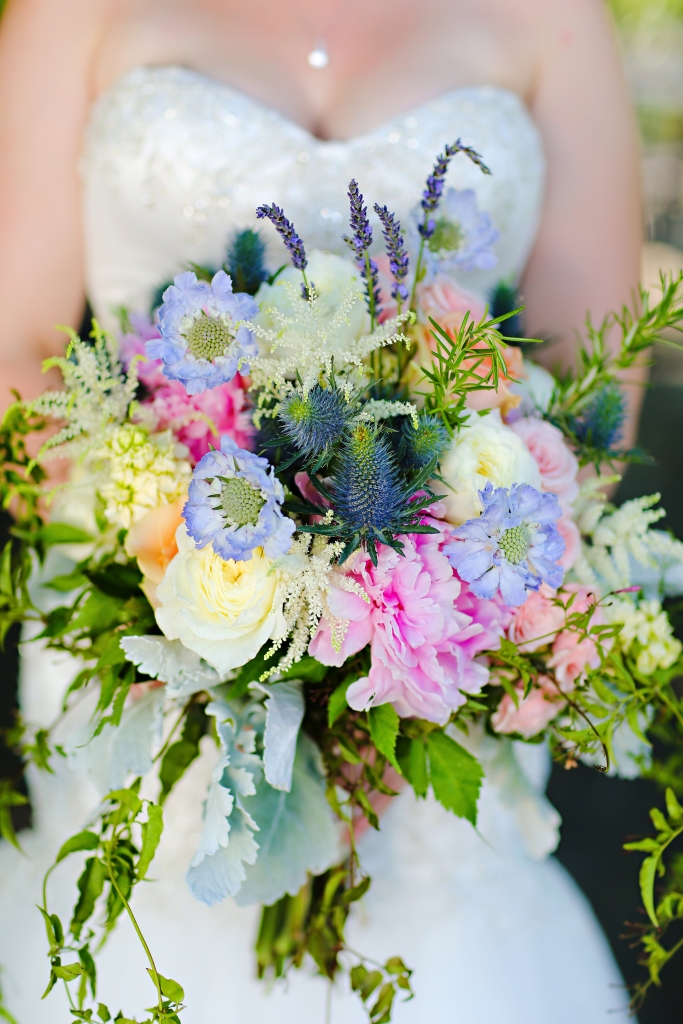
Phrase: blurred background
pixel 599 813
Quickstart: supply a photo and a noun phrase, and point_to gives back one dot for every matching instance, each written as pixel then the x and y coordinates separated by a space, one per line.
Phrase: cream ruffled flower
pixel 646 634
pixel 485 449
pixel 142 472
pixel 223 610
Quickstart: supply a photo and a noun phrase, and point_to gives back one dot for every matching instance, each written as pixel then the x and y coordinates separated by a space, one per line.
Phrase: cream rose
pixel 484 449
pixel 225 611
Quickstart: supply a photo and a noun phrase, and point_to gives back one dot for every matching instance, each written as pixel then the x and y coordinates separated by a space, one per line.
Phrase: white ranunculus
pixel 484 449
pixel 333 278
pixel 225 611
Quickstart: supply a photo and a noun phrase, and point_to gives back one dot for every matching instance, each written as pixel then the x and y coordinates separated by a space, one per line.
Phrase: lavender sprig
pixel 398 257
pixel 437 179
pixel 286 231
pixel 360 242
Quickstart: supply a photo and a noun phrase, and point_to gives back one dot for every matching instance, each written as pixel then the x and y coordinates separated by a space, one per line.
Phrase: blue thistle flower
pixel 398 256
pixel 437 179
pixel 360 242
pixel 245 261
pixel 285 229
pixel 503 298
pixel 513 546
pixel 234 504
pixel 600 423
pixel 422 444
pixel 368 492
pixel 315 422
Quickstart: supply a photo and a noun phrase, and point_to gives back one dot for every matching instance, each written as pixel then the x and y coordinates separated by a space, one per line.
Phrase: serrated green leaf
pixel 412 756
pixel 384 724
pixel 151 834
pixel 455 775
pixel 83 841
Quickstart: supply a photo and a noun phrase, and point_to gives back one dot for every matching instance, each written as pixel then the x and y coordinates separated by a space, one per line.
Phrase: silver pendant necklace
pixel 319 58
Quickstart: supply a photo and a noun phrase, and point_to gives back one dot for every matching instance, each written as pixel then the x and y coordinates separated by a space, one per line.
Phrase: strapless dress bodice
pixel 174 162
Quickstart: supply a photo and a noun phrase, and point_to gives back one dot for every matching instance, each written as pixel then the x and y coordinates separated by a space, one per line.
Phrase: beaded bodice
pixel 174 162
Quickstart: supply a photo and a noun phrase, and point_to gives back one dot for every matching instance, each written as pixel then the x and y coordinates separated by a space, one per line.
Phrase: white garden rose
pixel 333 278
pixel 223 610
pixel 484 449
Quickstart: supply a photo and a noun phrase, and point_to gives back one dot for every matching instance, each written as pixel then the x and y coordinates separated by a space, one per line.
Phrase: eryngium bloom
pixel 316 421
pixel 368 492
pixel 245 261
pixel 419 445
pixel 202 343
pixel 234 504
pixel 514 545
pixel 600 423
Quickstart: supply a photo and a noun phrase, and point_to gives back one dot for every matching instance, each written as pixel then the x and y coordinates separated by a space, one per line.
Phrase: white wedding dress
pixel 495 930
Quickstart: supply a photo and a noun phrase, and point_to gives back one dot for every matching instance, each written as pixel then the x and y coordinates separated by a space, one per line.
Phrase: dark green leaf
pixel 82 841
pixel 337 704
pixel 249 673
pixel 90 886
pixel 64 584
pixel 307 669
pixel 117 580
pixel 181 754
pixel 412 757
pixel 58 930
pixel 89 968
pixel 151 834
pixel 61 533
pixel 384 723
pixel 455 775
pixel 99 612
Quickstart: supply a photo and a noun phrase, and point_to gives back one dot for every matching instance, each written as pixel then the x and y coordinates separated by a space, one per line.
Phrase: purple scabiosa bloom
pixel 513 546
pixel 437 179
pixel 360 242
pixel 234 503
pixel 286 231
pixel 398 257
pixel 462 236
pixel 202 343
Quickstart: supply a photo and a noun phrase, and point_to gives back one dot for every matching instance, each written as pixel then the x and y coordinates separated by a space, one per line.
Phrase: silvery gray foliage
pixel 284 713
pixel 183 671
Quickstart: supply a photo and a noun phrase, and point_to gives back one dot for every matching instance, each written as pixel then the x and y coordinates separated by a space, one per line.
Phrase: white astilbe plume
pixel 619 538
pixel 310 345
pixel 308 573
pixel 97 395
pixel 380 409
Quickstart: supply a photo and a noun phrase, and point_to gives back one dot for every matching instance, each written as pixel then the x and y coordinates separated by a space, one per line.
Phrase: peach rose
pixel 557 463
pixel 532 713
pixel 537 621
pixel 152 541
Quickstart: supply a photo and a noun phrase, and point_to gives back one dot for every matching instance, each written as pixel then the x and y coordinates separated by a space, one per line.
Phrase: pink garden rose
pixel 557 463
pixel 571 655
pixel 423 645
pixel 571 535
pixel 532 714
pixel 537 621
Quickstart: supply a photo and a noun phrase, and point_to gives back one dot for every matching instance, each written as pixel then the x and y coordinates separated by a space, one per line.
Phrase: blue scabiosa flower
pixel 514 545
pixel 396 251
pixel 315 422
pixel 461 237
pixel 234 503
pixel 202 341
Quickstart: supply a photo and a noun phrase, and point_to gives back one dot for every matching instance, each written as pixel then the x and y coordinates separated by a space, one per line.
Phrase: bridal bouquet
pixel 327 523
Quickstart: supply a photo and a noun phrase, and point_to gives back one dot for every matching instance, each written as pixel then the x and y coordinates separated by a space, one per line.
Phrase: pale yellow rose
pixel 223 610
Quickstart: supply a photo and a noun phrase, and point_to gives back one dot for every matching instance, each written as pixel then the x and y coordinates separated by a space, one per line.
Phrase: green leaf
pixel 307 669
pixel 455 775
pixel 363 802
pixel 58 930
pixel 384 723
pixel 68 972
pixel 659 821
pixel 50 985
pixel 90 886
pixel 181 754
pixel 49 928
pixel 61 533
pixel 358 891
pixel 169 988
pixel 103 1013
pixel 648 872
pixel 412 756
pixel 99 612
pixel 89 968
pixel 117 580
pixel 249 673
pixel 337 704
pixel 82 841
pixel 65 584
pixel 151 834
pixel 674 809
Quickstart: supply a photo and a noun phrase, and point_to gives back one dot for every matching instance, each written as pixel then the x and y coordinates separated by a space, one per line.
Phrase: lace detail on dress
pixel 175 161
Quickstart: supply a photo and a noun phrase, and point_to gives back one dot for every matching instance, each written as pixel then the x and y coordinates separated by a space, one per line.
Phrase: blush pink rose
pixel 557 463
pixel 532 714
pixel 424 648
pixel 571 655
pixel 571 535
pixel 537 621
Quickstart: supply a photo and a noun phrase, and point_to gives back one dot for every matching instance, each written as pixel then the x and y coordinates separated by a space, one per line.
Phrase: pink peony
pixel 532 714
pixel 557 463
pixel 192 418
pixel 571 655
pixel 423 645
pixel 537 621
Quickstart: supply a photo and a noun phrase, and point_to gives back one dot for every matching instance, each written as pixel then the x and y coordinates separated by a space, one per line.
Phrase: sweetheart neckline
pixel 294 126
